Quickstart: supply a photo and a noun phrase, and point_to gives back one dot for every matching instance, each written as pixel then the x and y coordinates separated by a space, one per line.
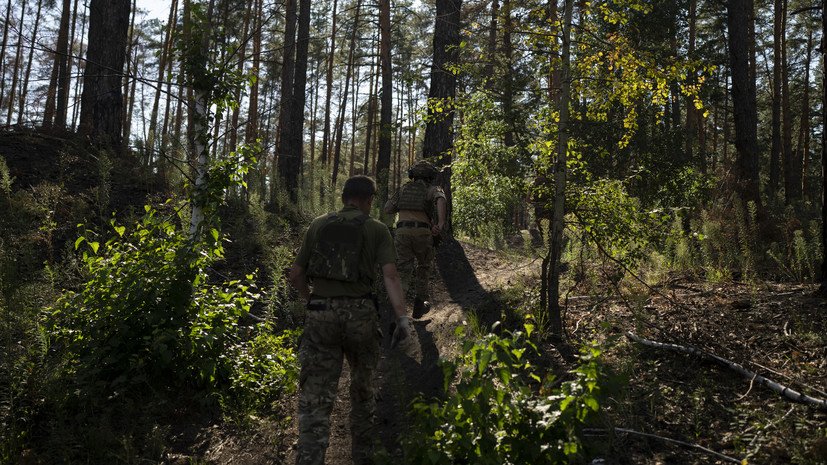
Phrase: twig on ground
pixel 674 441
pixel 771 425
pixel 783 390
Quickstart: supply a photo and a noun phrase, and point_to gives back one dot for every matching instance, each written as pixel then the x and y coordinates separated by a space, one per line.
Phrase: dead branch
pixel 783 390
pixel 674 441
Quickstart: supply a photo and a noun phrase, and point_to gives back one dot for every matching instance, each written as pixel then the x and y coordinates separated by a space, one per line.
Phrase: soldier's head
pixel 359 190
pixel 423 169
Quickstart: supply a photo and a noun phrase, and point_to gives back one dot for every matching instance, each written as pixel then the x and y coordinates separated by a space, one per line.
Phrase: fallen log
pixel 756 378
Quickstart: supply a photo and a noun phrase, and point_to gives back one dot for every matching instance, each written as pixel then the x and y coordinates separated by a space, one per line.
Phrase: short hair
pixel 358 187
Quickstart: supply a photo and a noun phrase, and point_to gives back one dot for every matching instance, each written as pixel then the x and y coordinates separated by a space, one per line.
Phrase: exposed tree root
pixel 783 390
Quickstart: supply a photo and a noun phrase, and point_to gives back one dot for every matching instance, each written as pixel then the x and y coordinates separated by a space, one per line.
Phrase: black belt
pixel 323 303
pixel 412 224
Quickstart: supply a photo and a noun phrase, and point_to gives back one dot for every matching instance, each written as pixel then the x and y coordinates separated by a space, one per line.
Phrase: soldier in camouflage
pixel 342 319
pixel 421 208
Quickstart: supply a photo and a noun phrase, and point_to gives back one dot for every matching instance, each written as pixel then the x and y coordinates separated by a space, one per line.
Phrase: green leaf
pixel 78 241
pixel 120 230
pixel 95 246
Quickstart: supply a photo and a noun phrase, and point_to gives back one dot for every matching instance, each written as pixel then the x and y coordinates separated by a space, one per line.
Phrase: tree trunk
pixel 287 70
pixel 823 51
pixel 251 134
pixel 492 46
pixel 792 183
pixel 329 88
pixel 16 69
pixel 25 87
pixel 128 78
pixel 242 55
pixel 439 136
pixel 804 137
pixel 560 175
pixel 162 67
pixel 63 78
pixel 745 170
pixel 294 80
pixel 6 25
pixel 101 103
pixel 383 160
pixel 340 123
pixel 775 146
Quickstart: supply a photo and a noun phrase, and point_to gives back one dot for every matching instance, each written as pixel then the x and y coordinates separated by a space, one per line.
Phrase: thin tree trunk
pixel 63 79
pixel 371 107
pixel 251 133
pixel 560 175
pixel 329 88
pixel 792 169
pixel 804 138
pixel 128 76
pixel 25 87
pixel 383 160
pixel 6 25
pixel 343 104
pixel 775 146
pixel 17 65
pixel 78 82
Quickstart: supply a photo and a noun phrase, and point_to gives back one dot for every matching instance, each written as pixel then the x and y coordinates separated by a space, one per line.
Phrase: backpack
pixel 413 196
pixel 338 249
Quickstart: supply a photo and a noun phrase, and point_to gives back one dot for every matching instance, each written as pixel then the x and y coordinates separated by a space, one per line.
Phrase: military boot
pixel 421 307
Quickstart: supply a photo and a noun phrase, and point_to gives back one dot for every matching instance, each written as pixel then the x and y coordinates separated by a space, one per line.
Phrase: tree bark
pixel 383 160
pixel 745 170
pixel 16 69
pixel 329 88
pixel 438 143
pixel 6 25
pixel 25 87
pixel 340 123
pixel 792 182
pixel 101 103
pixel 63 78
pixel 775 146
pixel 560 175
pixel 294 80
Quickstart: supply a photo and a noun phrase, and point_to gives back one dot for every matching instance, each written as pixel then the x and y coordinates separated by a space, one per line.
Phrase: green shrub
pixel 503 411
pixel 146 313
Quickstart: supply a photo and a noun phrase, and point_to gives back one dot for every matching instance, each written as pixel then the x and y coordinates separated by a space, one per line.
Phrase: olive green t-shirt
pixel 377 250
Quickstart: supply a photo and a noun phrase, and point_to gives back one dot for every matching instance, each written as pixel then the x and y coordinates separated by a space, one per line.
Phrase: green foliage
pixel 616 223
pixel 262 370
pixel 146 313
pixel 503 412
pixel 6 179
pixel 799 253
pixel 488 177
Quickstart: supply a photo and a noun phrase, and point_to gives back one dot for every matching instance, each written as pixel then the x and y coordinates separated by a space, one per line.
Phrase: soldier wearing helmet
pixel 421 208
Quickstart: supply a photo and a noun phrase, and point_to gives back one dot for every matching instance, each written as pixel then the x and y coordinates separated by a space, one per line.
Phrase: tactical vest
pixel 338 249
pixel 413 196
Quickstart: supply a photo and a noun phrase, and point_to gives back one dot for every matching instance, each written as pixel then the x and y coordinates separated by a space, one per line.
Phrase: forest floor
pixel 777 330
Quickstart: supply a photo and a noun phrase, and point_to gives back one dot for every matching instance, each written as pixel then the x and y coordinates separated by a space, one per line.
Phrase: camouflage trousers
pixel 415 250
pixel 347 328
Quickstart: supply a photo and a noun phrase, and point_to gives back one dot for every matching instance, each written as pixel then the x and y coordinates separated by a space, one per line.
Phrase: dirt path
pixel 462 279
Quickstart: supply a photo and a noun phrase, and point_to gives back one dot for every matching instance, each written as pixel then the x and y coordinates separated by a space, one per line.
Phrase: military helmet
pixel 422 169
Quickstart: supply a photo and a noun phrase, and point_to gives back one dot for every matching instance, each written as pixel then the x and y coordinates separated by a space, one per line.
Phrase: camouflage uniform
pixel 342 321
pixel 414 242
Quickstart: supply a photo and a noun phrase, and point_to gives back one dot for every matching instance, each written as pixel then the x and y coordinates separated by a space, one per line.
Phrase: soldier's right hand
pixel 402 332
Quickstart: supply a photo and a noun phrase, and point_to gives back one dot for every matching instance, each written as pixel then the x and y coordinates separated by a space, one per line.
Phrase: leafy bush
pixel 263 369
pixel 503 412
pixel 146 312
